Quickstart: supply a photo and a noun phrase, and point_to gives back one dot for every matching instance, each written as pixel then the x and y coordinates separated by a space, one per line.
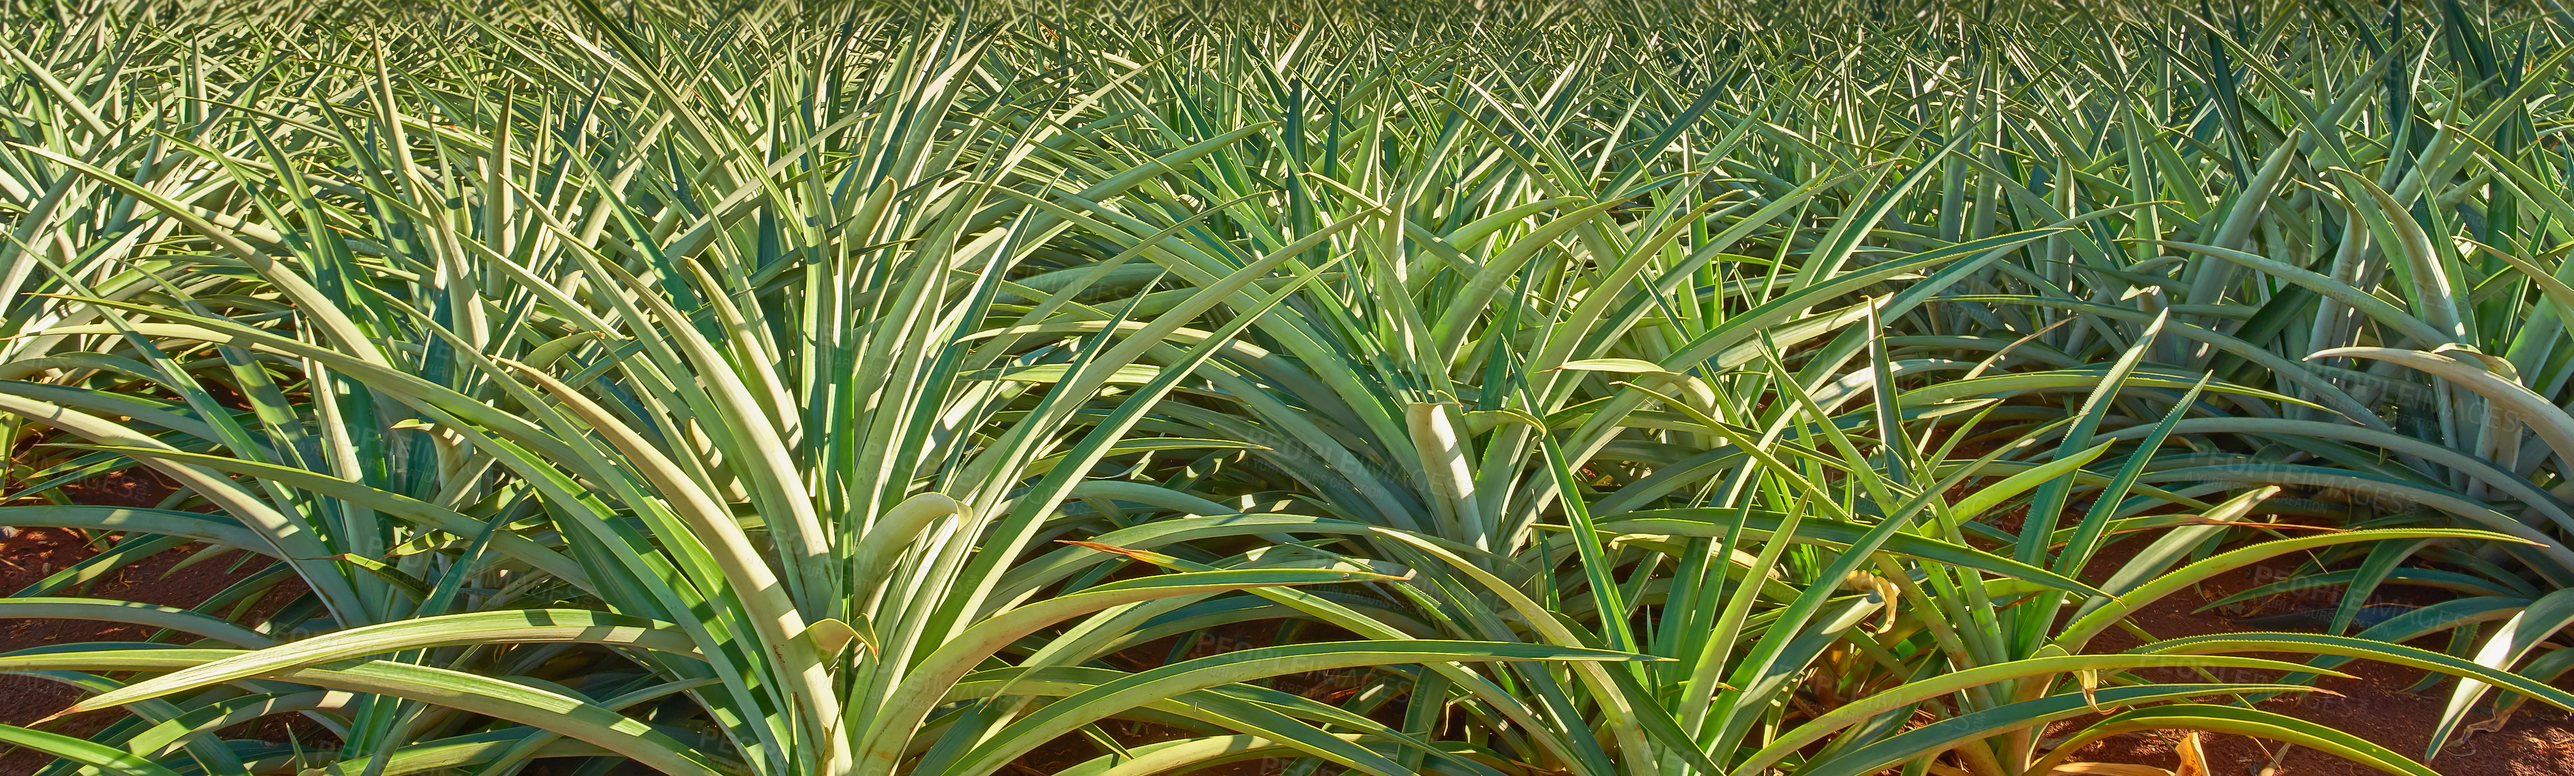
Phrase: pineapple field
pixel 1126 387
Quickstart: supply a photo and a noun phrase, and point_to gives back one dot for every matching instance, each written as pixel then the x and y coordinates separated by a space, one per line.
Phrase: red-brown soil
pixel 35 553
pixel 2373 705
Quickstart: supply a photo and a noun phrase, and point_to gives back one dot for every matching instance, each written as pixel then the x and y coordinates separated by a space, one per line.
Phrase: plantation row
pixel 1616 389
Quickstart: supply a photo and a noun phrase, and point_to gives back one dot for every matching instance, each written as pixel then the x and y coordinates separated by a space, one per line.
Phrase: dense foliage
pixel 1609 389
